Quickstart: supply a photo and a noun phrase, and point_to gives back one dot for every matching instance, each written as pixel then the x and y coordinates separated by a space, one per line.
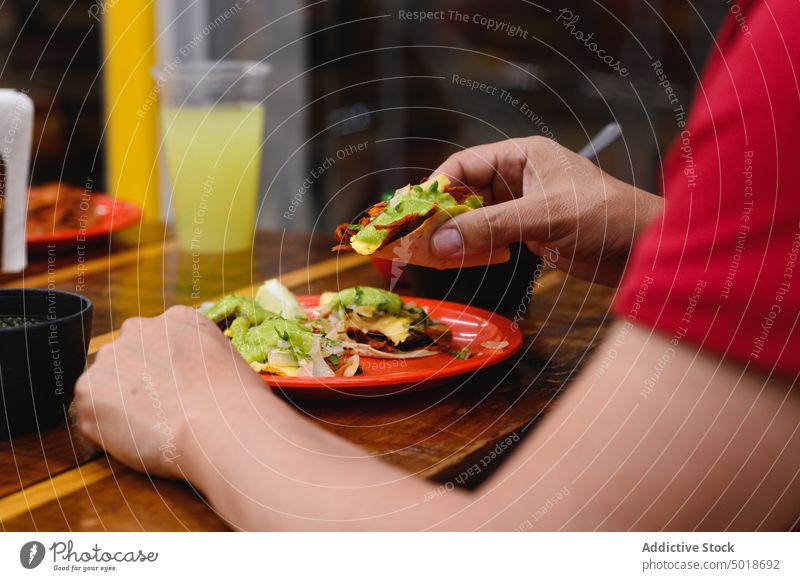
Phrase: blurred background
pixel 365 96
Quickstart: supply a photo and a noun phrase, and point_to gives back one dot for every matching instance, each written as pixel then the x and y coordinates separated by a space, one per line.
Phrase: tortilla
pixel 406 231
pixel 414 248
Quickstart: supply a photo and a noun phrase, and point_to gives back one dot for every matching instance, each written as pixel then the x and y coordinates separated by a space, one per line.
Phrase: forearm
pixel 648 207
pixel 270 468
pixel 691 454
pixel 705 445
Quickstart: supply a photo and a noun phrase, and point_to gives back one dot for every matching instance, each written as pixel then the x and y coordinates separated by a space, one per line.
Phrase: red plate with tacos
pixel 488 339
pixel 67 216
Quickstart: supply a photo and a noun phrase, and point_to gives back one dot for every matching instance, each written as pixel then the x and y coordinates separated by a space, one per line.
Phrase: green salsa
pixel 16 321
pixel 418 200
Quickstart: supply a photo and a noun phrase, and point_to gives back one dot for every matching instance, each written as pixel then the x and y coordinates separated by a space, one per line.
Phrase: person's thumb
pixel 478 231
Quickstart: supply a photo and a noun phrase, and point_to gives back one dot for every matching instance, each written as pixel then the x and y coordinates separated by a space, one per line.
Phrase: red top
pixel 722 267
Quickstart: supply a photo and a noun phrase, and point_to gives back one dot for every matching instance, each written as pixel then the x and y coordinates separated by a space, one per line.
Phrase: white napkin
pixel 16 136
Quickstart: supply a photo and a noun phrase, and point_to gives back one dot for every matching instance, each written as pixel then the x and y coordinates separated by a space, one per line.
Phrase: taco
pixel 275 345
pixel 400 228
pixel 377 323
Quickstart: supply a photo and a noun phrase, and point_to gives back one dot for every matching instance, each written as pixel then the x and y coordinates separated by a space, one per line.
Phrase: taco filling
pixel 404 213
pixel 275 345
pixel 380 324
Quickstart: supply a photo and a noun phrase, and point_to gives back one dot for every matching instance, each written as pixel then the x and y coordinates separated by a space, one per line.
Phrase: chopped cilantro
pixel 334 360
pixel 463 354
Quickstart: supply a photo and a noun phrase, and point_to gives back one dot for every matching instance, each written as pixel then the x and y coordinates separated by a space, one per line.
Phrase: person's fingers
pixel 496 169
pixel 479 231
pixel 475 166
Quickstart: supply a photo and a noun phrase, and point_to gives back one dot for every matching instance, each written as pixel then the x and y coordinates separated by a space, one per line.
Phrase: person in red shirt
pixel 691 424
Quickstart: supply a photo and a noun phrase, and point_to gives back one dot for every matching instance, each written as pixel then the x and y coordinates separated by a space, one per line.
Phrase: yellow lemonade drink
pixel 214 158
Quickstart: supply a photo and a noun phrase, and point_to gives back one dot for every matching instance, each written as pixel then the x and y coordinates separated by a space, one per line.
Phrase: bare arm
pixel 702 443
pixel 707 446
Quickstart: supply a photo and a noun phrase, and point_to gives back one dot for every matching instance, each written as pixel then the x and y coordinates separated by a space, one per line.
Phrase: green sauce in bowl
pixel 16 321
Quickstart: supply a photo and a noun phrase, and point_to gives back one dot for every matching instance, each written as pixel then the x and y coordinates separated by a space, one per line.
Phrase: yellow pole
pixel 130 103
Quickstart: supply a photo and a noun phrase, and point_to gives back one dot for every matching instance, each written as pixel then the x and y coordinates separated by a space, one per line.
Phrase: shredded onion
pixel 367 351
pixel 364 311
pixel 319 367
pixel 351 366
pixel 282 358
pixel 497 345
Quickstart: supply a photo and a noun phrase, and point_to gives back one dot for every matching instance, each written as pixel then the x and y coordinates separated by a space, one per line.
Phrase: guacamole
pixel 255 343
pixel 419 200
pixel 367 296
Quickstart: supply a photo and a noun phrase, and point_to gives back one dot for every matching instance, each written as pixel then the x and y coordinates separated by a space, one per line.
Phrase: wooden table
pixel 54 481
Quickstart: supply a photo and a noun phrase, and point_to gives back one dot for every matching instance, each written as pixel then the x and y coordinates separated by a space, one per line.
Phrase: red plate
pixel 471 327
pixel 112 215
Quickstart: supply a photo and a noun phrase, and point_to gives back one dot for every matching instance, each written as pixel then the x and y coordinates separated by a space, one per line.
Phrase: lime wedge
pixel 275 297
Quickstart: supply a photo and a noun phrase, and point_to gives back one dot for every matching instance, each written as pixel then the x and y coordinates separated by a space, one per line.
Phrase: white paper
pixel 16 136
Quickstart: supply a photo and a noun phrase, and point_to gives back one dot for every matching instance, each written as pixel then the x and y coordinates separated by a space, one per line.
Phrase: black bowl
pixel 500 287
pixel 40 361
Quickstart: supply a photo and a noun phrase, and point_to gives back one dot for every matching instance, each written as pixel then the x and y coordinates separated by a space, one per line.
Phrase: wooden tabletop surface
pixel 55 481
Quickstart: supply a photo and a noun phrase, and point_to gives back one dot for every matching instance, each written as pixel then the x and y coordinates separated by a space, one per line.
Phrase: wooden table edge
pixel 62 484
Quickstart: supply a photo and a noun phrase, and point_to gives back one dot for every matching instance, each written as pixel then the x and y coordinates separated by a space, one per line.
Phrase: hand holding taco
pixel 401 228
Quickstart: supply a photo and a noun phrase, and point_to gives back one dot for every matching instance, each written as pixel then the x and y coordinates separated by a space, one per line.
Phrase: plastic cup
pixel 212 120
